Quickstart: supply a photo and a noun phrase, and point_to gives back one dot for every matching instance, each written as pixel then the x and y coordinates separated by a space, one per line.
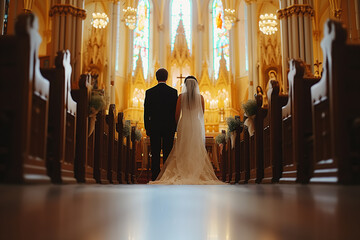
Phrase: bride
pixel 188 161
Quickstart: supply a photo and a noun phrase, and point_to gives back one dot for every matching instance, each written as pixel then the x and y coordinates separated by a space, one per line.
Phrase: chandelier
pixel 99 20
pixel 130 17
pixel 267 24
pixel 230 18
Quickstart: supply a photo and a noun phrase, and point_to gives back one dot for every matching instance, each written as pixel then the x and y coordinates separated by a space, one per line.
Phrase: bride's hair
pixel 190 77
pixel 191 90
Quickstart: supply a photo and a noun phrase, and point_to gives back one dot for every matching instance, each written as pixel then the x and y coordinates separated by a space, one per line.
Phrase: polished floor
pixel 137 212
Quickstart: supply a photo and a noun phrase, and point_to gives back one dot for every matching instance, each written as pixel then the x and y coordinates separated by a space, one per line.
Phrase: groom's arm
pixel 147 114
pixel 175 109
pixel 178 110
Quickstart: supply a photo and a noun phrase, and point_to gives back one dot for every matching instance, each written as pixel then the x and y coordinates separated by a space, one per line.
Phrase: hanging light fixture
pixel 230 18
pixel 130 17
pixel 268 24
pixel 99 20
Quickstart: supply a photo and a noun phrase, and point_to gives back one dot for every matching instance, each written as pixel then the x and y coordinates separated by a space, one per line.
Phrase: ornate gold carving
pixel 337 13
pixel 250 1
pixel 66 9
pixel 295 10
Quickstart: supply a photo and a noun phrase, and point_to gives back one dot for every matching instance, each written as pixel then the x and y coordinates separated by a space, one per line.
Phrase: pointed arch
pixel 181 9
pixel 142 36
pixel 220 37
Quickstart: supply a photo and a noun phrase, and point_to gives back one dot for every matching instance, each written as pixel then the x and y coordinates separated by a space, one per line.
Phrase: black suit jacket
pixel 159 109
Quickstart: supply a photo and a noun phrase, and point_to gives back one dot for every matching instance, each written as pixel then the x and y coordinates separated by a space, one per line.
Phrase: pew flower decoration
pixel 250 108
pixel 138 135
pixel 127 128
pixel 96 104
pixel 233 124
pixel 221 140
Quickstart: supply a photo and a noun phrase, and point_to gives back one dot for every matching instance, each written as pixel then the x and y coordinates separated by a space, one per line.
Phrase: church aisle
pixel 138 212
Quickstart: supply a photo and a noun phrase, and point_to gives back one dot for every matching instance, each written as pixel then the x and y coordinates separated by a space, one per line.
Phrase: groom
pixel 159 118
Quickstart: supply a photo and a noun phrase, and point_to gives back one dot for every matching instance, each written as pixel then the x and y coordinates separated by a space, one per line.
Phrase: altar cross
pixel 181 77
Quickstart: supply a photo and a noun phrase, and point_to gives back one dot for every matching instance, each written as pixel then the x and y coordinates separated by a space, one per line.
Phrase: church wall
pixel 120 99
pixel 322 13
pixel 242 87
pixel 16 7
pixel 41 9
pixel 123 46
pixel 348 17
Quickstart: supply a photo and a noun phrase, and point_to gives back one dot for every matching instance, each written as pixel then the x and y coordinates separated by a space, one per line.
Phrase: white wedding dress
pixel 188 161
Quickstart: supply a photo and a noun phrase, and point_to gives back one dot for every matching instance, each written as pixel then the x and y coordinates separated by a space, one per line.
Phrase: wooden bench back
pixel 335 108
pixel 24 117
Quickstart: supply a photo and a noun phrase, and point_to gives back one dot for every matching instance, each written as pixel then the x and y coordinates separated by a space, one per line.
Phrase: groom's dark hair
pixel 162 74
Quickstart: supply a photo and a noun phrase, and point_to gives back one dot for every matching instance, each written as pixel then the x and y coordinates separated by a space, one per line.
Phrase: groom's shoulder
pixel 150 90
pixel 172 89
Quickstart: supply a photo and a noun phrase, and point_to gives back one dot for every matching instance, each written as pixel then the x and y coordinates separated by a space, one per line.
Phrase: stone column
pixel 250 47
pixel 114 44
pixel 199 49
pixel 357 16
pixel 301 36
pixel 254 32
pixel 16 7
pixel 67 28
pixel 28 5
pixel 296 34
pixel 108 58
pixel 77 55
pixel 284 44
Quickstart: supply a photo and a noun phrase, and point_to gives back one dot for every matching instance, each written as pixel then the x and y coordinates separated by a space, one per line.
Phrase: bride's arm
pixel 178 109
pixel 202 103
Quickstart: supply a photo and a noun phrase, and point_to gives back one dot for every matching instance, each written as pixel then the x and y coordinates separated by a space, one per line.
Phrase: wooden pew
pixel 128 160
pixel 100 159
pixel 133 156
pixel 228 163
pixel 297 126
pixel 236 156
pixel 244 156
pixel 256 144
pixel 105 157
pixel 24 95
pixel 84 169
pixel 336 110
pixel 62 121
pixel 266 145
pixel 224 159
pixel 273 157
pixel 112 160
pixel 121 156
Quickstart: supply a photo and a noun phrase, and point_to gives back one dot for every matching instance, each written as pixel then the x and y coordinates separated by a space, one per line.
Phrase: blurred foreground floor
pixel 137 212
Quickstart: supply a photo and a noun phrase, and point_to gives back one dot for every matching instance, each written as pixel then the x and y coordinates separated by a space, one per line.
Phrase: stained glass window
pixel 142 35
pixel 181 9
pixel 220 37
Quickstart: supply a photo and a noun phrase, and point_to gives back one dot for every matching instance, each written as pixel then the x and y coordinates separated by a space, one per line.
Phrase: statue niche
pixel 94 59
pixel 270 60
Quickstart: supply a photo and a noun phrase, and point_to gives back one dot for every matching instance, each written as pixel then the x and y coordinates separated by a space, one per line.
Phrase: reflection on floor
pixel 136 212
